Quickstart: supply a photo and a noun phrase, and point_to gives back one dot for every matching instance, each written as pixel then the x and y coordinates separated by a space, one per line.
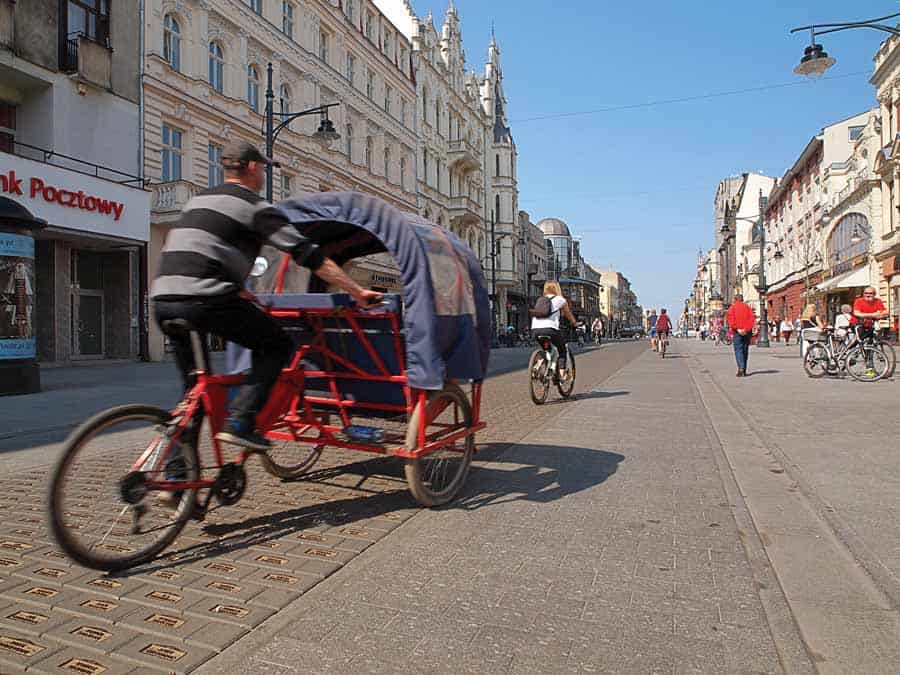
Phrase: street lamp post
pixel 815 60
pixel 763 339
pixel 325 133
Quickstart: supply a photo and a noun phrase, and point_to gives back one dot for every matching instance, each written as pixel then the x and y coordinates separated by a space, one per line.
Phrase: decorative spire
pixel 451 8
pixel 493 37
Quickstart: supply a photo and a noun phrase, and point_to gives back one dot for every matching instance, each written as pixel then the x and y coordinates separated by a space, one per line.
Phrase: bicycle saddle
pixel 178 327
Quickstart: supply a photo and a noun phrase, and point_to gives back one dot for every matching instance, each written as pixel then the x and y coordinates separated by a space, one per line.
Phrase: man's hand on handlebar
pixel 367 299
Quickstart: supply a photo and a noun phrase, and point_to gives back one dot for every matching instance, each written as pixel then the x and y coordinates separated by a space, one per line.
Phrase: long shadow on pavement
pixel 583 396
pixel 540 473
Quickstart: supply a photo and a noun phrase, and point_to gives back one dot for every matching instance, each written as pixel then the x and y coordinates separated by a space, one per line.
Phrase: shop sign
pixel 16 297
pixel 74 200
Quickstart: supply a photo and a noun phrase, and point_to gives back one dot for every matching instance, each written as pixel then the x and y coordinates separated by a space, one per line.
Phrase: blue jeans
pixel 741 344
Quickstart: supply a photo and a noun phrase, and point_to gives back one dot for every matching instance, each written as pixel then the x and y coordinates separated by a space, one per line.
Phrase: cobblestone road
pixel 225 577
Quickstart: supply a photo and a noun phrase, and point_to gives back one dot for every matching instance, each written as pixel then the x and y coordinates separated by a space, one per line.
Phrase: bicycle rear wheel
pixel 102 513
pixel 435 478
pixel 538 376
pixel 565 388
pixel 663 345
pixel 815 363
pixel 866 363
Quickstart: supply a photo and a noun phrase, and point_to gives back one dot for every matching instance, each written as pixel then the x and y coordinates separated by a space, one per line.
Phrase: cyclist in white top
pixel 550 326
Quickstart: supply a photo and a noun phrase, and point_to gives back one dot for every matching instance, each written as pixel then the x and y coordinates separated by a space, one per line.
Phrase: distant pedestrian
pixel 797 329
pixel 741 318
pixel 786 329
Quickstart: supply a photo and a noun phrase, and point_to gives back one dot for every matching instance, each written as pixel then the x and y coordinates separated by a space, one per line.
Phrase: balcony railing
pixel 462 153
pixel 172 196
pixel 46 156
pixel 68 59
pixel 87 60
pixel 464 208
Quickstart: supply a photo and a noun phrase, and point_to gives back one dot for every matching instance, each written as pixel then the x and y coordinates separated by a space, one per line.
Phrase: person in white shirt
pixel 550 325
pixel 786 328
pixel 843 321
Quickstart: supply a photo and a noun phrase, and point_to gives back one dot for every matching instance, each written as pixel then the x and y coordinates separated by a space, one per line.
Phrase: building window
pixel 323 46
pixel 403 60
pixel 172 41
pixel 350 9
pixel 88 18
pixel 403 172
pixel 285 185
pixel 403 113
pixel 370 85
pixel 425 104
pixel 425 165
pixel 388 46
pixel 253 88
pixel 351 68
pixel 284 99
pixel 7 127
pixel 287 19
pixel 171 153
pixel 437 115
pixel 348 133
pixel 256 6
pixel 215 172
pixel 856 133
pixel 370 26
pixel 387 99
pixel 369 150
pixel 216 67
pixel 497 165
pixel 497 209
pixel 387 163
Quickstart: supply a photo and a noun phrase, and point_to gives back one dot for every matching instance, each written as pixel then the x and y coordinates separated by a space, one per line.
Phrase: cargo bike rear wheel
pixel 435 478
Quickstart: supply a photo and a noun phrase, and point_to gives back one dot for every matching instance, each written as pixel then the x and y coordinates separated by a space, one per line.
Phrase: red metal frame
pixel 292 416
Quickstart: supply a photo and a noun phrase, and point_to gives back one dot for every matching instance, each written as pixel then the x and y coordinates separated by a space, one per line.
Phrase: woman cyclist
pixel 549 325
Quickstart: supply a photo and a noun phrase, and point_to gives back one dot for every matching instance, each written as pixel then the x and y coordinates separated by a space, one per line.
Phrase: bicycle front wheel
pixel 888 350
pixel 103 510
pixel 815 363
pixel 538 376
pixel 866 363
pixel 565 387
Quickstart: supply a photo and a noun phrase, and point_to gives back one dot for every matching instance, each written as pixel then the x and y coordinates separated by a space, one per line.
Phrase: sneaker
pixel 870 372
pixel 243 434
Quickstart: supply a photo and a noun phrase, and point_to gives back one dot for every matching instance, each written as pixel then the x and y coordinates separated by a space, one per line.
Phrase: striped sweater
pixel 211 250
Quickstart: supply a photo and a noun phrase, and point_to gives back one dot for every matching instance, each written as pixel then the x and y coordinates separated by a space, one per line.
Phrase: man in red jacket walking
pixel 741 320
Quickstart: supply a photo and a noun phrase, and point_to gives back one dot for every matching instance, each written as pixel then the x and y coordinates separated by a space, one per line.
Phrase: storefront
pixel 89 262
pixel 843 289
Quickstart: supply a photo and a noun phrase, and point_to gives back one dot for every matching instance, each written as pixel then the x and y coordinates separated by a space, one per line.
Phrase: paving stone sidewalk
pixel 605 542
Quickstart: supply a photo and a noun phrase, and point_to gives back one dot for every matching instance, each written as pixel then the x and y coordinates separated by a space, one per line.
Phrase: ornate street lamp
pixel 325 134
pixel 815 60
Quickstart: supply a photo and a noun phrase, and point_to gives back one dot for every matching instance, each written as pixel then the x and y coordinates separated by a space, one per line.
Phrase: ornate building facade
pixel 205 70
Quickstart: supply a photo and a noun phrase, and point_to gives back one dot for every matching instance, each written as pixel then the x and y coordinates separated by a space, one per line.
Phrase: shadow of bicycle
pixel 501 473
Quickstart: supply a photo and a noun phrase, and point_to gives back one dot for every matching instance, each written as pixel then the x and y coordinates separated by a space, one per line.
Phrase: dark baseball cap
pixel 242 152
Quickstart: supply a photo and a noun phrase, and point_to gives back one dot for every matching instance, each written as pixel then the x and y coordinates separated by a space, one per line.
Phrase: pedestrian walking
pixel 787 327
pixel 741 318
pixel 797 330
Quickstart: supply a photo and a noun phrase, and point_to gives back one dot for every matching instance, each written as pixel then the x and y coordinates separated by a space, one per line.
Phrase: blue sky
pixel 637 185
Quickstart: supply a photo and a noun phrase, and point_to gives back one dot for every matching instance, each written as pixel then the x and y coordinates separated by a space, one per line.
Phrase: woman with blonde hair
pixel 809 319
pixel 549 324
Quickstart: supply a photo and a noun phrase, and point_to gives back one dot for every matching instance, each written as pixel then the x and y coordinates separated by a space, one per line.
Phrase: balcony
pixel 86 61
pixel 503 181
pixel 7 13
pixel 462 155
pixel 464 210
pixel 169 199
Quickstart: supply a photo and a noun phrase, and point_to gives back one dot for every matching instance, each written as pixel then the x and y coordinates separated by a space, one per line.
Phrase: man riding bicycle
pixel 549 325
pixel 207 257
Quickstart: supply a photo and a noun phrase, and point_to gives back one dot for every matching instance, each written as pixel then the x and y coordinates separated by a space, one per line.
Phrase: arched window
pixel 370 144
pixel 284 99
pixel 497 163
pixel 216 67
pixel 348 132
pixel 497 209
pixel 172 41
pixel 253 87
pixel 849 238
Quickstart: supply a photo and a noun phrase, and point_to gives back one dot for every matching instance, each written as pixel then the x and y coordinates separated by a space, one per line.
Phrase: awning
pixel 852 279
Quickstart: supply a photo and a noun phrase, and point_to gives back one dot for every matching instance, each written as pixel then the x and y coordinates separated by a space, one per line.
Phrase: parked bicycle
pixel 866 359
pixel 543 369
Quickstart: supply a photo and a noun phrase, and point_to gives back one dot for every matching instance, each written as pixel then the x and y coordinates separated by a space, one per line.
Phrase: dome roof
pixel 554 226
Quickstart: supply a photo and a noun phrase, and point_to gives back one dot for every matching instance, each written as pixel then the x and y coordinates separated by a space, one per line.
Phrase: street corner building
pixel 74 216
